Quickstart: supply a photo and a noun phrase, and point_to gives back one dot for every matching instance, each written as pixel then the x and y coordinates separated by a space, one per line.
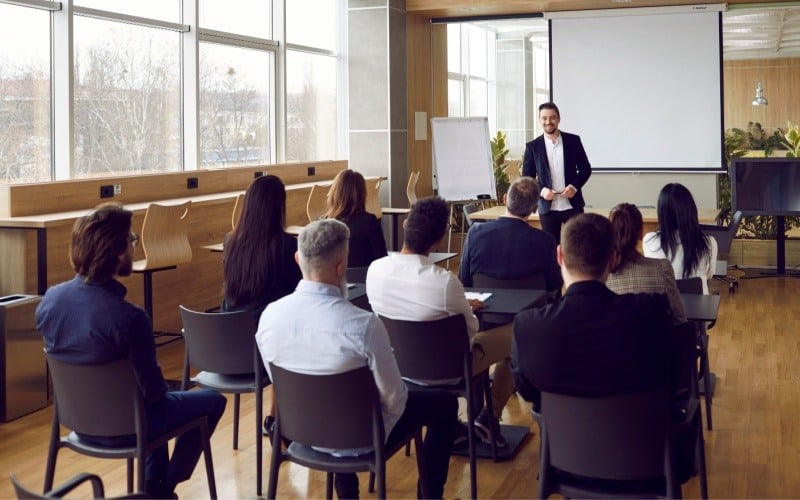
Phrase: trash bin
pixel 23 373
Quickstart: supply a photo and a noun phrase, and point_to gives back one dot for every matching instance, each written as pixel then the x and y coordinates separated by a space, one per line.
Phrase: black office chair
pixel 223 347
pixel 469 209
pixel 340 411
pixel 71 484
pixel 695 286
pixel 724 236
pixel 439 350
pixel 104 400
pixel 613 447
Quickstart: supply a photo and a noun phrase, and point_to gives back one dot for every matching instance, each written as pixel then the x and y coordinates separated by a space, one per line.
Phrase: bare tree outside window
pixel 127 99
pixel 234 106
pixel 24 96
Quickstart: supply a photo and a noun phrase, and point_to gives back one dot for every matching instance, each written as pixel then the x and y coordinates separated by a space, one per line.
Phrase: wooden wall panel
pixel 781 81
pixel 30 199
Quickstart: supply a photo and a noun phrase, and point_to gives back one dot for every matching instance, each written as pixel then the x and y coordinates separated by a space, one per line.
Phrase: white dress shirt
pixel 555 158
pixel 651 244
pixel 315 331
pixel 411 287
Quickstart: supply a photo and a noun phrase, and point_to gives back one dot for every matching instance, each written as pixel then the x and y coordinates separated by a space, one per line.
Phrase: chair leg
pixel 140 474
pixel 371 485
pixel 706 369
pixel 473 475
pixel 328 485
pixel 700 451
pixel 52 453
pixel 212 483
pixel 259 439
pixel 275 463
pixel 421 465
pixel 381 475
pixel 487 393
pixel 236 421
pixel 408 449
pixel 148 295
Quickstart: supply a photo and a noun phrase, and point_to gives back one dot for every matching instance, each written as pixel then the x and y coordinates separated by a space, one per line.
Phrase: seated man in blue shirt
pixel 509 247
pixel 88 321
pixel 316 330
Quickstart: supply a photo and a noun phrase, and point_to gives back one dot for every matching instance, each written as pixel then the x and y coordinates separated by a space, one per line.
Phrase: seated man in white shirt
pixel 407 285
pixel 316 330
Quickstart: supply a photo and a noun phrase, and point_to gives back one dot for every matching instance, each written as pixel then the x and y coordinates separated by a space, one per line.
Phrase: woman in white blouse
pixel 679 238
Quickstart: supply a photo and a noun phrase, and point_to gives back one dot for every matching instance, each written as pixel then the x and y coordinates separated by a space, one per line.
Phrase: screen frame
pixel 735 163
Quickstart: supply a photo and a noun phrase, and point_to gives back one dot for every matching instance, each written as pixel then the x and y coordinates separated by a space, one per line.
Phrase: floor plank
pixel 753 451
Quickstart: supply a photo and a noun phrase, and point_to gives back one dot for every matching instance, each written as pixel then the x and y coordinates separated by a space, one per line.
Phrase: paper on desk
pixel 482 296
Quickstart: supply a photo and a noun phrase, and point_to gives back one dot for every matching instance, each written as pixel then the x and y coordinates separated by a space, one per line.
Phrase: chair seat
pixel 140 266
pixel 74 442
pixel 580 487
pixel 309 457
pixel 228 383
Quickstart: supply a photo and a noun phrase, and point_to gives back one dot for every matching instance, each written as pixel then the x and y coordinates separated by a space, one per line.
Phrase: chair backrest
pixel 238 206
pixel 317 203
pixel 356 274
pixel 98 491
pixel 533 282
pixel 97 400
pixel 222 343
pixel 692 285
pixel 618 437
pixel 684 359
pixel 513 170
pixel 338 411
pixel 724 234
pixel 469 209
pixel 430 350
pixel 164 237
pixel 411 188
pixel 373 204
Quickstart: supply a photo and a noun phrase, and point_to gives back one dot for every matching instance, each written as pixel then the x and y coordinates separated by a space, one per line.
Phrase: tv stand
pixel 780 248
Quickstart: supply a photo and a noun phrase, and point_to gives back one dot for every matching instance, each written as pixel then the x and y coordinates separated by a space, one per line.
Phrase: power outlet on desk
pixel 107 191
pixel 312 171
pixel 258 174
pixel 192 183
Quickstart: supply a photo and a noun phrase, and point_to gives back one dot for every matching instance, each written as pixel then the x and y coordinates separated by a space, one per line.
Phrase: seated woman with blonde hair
pixel 635 273
pixel 347 201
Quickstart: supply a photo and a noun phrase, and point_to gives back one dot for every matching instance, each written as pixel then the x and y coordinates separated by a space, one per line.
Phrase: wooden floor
pixel 753 451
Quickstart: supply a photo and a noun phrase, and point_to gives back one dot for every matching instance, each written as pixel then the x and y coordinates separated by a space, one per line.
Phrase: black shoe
pixel 460 434
pixel 482 424
pixel 268 426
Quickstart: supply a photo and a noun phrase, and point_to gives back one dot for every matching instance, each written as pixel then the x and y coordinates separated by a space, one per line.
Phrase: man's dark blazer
pixel 577 169
pixel 508 248
pixel 592 342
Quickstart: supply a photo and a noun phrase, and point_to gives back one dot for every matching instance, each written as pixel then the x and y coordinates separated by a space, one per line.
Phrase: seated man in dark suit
pixel 591 342
pixel 509 247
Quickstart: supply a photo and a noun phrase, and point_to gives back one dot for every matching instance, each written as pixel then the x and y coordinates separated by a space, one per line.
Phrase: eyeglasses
pixel 133 239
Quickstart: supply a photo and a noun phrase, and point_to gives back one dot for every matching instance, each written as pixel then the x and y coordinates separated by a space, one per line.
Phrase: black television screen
pixel 766 186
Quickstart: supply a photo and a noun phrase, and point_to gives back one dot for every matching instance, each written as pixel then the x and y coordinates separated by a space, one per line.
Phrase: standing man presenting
pixel 559 163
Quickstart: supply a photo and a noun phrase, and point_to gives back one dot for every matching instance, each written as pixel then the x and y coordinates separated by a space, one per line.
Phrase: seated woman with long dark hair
pixel 679 238
pixel 635 273
pixel 347 202
pixel 258 256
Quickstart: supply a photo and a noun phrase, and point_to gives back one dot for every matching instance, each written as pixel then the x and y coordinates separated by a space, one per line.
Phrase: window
pixel 243 17
pixel 312 80
pixel 311 107
pixel 455 98
pixel 127 99
pixel 234 105
pixel 162 10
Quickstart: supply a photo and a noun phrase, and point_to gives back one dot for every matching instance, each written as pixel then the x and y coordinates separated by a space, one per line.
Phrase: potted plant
pixel 499 152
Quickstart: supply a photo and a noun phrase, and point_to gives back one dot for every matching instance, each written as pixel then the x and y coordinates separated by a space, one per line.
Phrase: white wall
pixel 606 189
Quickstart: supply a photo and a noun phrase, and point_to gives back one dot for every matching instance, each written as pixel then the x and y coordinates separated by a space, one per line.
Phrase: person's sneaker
pixel 268 426
pixel 461 434
pixel 482 424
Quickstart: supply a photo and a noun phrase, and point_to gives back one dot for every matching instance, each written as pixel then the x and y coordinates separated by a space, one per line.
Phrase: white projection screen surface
pixel 644 92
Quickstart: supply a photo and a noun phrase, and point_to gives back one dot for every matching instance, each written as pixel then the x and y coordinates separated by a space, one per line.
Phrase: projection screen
pixel 642 89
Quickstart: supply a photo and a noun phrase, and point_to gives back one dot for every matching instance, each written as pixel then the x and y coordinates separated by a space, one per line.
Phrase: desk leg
pixel 41 260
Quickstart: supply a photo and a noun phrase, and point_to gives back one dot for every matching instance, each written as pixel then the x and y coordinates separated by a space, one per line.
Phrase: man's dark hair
pixel 550 105
pixel 98 239
pixel 523 195
pixel 426 224
pixel 588 242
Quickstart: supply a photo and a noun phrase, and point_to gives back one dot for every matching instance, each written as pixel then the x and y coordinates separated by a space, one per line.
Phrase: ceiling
pixel 748 31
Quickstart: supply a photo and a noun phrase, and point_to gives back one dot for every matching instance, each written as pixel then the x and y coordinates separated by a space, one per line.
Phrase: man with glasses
pixel 88 321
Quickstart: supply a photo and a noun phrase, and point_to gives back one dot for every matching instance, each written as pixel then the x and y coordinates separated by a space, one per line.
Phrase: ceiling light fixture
pixel 760 100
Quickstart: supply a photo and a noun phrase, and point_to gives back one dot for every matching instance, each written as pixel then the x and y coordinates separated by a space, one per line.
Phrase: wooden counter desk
pixel 648 216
